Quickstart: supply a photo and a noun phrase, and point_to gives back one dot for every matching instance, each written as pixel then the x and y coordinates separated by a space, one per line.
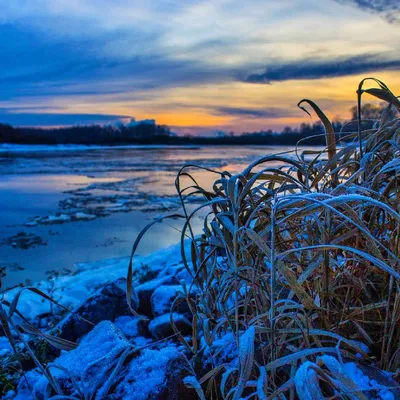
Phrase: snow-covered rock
pixel 108 303
pixel 133 327
pixel 5 346
pixel 160 327
pixel 146 290
pixel 157 375
pixel 162 298
pixel 90 364
pixel 27 384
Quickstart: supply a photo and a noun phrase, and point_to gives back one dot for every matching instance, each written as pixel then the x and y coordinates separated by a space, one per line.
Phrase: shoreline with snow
pixel 147 359
pixel 87 278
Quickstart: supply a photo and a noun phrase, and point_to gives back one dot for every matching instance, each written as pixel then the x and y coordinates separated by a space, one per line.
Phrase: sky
pixel 195 65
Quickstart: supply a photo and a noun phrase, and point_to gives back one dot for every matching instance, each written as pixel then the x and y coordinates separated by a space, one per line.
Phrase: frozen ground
pixel 148 373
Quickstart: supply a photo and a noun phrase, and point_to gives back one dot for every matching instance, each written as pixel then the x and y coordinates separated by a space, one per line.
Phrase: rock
pixel 162 299
pixel 174 388
pixel 132 327
pixel 160 327
pixel 89 365
pixel 156 375
pixel 55 219
pixel 31 223
pixel 145 291
pixel 108 303
pixel 23 240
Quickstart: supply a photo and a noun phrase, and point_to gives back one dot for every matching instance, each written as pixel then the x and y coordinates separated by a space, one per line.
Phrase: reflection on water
pixel 98 183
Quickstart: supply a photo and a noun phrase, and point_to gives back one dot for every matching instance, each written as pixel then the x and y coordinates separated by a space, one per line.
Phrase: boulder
pixel 174 388
pixel 132 326
pixel 160 327
pixel 146 290
pixel 89 365
pixel 156 374
pixel 162 299
pixel 107 304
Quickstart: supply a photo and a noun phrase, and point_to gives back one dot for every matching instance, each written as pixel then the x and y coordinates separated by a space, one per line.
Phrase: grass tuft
pixel 299 260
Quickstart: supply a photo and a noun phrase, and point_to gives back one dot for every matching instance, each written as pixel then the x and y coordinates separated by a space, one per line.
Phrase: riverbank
pixel 136 358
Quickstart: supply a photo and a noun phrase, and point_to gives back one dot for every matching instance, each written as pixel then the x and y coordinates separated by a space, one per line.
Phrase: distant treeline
pixel 91 134
pixel 145 133
pixel 154 134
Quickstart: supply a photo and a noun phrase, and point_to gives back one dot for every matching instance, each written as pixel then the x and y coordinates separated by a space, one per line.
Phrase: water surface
pixel 120 190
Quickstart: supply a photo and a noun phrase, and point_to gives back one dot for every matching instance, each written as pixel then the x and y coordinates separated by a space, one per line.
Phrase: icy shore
pixel 122 356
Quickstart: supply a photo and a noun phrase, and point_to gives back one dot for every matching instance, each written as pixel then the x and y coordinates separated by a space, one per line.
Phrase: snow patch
pixel 72 290
pixel 162 299
pixel 128 326
pixel 146 374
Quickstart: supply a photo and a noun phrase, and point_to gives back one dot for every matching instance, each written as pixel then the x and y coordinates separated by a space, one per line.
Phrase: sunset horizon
pixel 198 68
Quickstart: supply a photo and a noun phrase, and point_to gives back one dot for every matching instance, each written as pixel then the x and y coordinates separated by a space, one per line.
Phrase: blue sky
pixel 195 65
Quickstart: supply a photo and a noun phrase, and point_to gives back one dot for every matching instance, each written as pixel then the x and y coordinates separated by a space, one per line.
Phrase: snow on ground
pixel 128 325
pixel 72 290
pixel 146 374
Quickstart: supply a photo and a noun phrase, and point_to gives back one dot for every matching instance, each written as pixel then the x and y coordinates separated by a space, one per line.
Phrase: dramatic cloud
pixel 184 63
pixel 46 119
pixel 269 112
pixel 316 69
pixel 389 9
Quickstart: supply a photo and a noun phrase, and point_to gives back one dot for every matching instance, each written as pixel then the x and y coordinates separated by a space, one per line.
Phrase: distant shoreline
pixel 26 148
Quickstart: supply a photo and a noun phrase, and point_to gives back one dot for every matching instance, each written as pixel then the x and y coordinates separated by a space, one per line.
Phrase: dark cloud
pixel 252 112
pixel 389 9
pixel 315 69
pixel 50 119
pixel 36 64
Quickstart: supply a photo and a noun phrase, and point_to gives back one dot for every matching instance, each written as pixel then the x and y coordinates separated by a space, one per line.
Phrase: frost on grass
pixel 348 377
pixel 146 374
pixel 367 384
pixel 223 349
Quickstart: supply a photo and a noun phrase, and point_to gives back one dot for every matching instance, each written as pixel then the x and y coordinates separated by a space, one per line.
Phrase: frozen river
pixel 59 207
